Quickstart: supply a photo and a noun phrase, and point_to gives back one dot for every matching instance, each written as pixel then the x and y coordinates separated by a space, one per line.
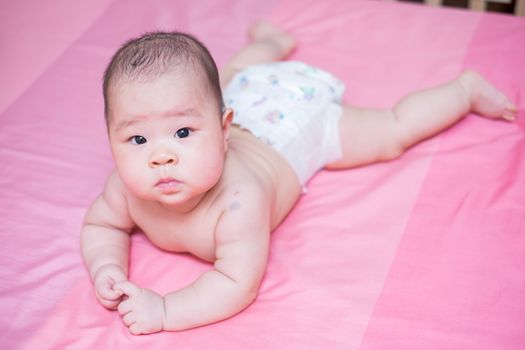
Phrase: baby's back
pixel 250 157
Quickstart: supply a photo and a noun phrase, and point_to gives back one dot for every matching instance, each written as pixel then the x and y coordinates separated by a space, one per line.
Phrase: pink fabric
pixel 426 252
pixel 34 34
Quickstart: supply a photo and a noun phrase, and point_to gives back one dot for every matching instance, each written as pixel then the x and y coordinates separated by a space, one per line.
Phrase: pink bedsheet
pixel 426 252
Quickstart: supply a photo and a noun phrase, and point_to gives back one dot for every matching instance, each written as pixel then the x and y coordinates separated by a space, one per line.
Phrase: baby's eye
pixel 183 133
pixel 137 140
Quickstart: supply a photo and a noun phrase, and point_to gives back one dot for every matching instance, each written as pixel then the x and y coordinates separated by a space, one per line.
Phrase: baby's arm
pixel 105 242
pixel 242 242
pixel 369 135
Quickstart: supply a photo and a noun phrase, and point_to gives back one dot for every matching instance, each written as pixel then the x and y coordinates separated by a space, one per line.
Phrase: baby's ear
pixel 227 118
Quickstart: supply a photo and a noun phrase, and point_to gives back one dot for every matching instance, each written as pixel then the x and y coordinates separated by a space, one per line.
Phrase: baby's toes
pixel 509 113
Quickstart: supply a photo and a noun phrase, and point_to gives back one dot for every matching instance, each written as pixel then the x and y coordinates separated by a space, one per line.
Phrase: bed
pixel 425 252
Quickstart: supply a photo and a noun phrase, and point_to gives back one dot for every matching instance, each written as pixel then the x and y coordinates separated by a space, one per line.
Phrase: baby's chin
pixel 182 201
pixel 181 193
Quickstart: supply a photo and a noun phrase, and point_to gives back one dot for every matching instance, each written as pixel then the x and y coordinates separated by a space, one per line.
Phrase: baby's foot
pixel 486 100
pixel 266 32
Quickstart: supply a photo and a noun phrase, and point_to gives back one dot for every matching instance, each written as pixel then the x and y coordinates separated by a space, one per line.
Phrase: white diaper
pixel 293 107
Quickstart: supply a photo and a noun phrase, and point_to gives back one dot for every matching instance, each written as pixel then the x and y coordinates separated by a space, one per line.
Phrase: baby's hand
pixel 142 311
pixel 104 281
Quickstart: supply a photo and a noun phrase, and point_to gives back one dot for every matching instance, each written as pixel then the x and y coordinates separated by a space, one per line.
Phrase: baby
pixel 212 180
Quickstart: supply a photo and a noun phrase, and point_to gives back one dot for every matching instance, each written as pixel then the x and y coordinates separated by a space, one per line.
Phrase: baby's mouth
pixel 167 184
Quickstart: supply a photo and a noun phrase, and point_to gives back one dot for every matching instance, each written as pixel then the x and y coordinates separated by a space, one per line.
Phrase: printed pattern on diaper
pixel 273 79
pixel 244 82
pixel 308 92
pixel 264 93
pixel 284 104
pixel 274 117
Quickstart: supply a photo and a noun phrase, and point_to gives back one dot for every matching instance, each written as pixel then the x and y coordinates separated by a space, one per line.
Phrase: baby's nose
pixel 162 159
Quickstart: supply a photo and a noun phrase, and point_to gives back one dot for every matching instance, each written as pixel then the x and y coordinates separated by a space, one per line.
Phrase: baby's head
pixel 154 54
pixel 163 107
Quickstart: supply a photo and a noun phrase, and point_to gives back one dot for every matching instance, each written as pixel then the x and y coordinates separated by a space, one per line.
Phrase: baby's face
pixel 167 138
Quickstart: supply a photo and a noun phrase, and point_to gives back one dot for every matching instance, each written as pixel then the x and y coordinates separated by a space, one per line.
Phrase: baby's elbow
pixel 247 292
pixel 247 299
pixel 236 300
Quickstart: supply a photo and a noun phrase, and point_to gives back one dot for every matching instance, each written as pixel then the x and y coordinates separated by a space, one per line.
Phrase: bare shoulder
pixel 114 187
pixel 246 212
pixel 115 193
pixel 110 208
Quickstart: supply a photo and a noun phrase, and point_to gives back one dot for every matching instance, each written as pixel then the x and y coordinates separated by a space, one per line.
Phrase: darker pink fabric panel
pixel 381 51
pixel 457 281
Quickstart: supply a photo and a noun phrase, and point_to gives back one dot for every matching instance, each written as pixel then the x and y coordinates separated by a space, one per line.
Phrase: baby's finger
pixel 107 300
pixel 135 329
pixel 107 293
pixel 124 307
pixel 127 288
pixel 109 304
pixel 129 319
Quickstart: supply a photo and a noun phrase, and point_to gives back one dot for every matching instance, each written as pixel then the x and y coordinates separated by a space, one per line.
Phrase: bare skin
pixel 217 192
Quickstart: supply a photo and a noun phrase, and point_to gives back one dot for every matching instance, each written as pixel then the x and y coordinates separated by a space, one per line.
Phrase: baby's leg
pixel 268 44
pixel 369 135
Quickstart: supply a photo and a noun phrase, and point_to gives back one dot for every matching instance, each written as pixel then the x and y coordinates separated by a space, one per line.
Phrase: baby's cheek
pixel 212 169
pixel 133 178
